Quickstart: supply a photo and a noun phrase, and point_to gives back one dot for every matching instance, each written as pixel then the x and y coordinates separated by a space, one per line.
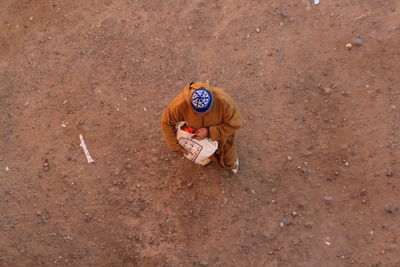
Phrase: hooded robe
pixel 222 121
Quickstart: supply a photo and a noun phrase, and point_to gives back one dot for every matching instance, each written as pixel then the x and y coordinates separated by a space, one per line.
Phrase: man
pixel 212 112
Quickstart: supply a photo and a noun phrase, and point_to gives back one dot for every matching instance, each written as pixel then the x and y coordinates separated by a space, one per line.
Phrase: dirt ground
pixel 319 151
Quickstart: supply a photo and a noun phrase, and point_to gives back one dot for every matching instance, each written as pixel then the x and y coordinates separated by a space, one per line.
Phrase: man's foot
pixel 236 168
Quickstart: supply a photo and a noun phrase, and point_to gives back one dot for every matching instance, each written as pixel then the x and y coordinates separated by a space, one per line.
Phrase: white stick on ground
pixel 83 145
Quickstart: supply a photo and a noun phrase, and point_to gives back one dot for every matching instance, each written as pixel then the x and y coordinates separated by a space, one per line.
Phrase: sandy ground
pixel 319 178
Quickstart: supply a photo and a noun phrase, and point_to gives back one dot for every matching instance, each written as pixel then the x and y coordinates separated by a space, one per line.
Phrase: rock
pixel 384 226
pixel 328 200
pixel 363 192
pixel 119 182
pixel 309 225
pixel 390 209
pixel 389 174
pixel 38 213
pixel 284 14
pixel 327 90
pixel 269 235
pixel 307 153
pixel 258 30
pixel 359 42
pixel 297 241
pixel 289 158
pixel 349 46
pixel 117 171
pixel 46 165
pixel 295 213
pixel 344 146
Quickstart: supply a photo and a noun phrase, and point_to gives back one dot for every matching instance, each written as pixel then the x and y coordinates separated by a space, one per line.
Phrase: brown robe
pixel 222 121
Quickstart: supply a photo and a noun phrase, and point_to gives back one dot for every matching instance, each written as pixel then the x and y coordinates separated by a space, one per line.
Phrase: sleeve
pixel 172 115
pixel 232 120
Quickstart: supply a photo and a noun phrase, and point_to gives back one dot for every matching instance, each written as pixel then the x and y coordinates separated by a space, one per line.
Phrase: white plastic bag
pixel 198 150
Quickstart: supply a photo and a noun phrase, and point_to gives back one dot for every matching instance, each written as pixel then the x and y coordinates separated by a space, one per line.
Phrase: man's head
pixel 201 100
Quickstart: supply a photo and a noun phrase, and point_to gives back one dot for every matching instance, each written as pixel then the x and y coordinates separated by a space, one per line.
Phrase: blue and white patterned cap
pixel 201 100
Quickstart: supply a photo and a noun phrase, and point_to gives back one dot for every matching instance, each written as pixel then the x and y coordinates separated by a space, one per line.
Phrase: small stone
pixel 117 171
pixel 138 185
pixel 328 200
pixel 258 30
pixel 363 192
pixel 284 14
pixel 294 213
pixel 81 122
pixel 389 174
pixel 344 146
pixel 384 226
pixel 307 153
pixel 30 18
pixel 359 42
pixel 337 173
pixel 345 93
pixel 349 46
pixel 327 90
pixel 382 251
pixel 38 213
pixel 189 185
pixel 7 169
pixel 309 225
pixel 269 235
pixel 289 158
pixel 390 209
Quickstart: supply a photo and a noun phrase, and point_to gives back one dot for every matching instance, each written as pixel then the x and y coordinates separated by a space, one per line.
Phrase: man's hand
pixel 201 133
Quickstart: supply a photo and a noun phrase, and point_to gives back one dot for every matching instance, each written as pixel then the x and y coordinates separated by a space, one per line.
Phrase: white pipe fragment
pixel 83 145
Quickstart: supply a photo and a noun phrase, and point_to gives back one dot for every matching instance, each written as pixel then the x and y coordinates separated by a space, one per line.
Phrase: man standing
pixel 212 112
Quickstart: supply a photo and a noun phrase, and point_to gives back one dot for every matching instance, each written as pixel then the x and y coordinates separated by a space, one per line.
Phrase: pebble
pixel 269 235
pixel 284 14
pixel 294 213
pixel 307 153
pixel 7 169
pixel 117 171
pixel 38 213
pixel 309 225
pixel 349 46
pixel 328 200
pixel 344 146
pixel 327 90
pixel 363 192
pixel 389 174
pixel 384 226
pixel 258 30
pixel 289 158
pixel 359 42
pixel 390 209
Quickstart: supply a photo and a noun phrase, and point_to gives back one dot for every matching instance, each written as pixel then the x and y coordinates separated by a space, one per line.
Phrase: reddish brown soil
pixel 107 69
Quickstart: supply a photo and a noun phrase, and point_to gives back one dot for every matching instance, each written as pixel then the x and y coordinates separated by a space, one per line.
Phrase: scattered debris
pixel 83 145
